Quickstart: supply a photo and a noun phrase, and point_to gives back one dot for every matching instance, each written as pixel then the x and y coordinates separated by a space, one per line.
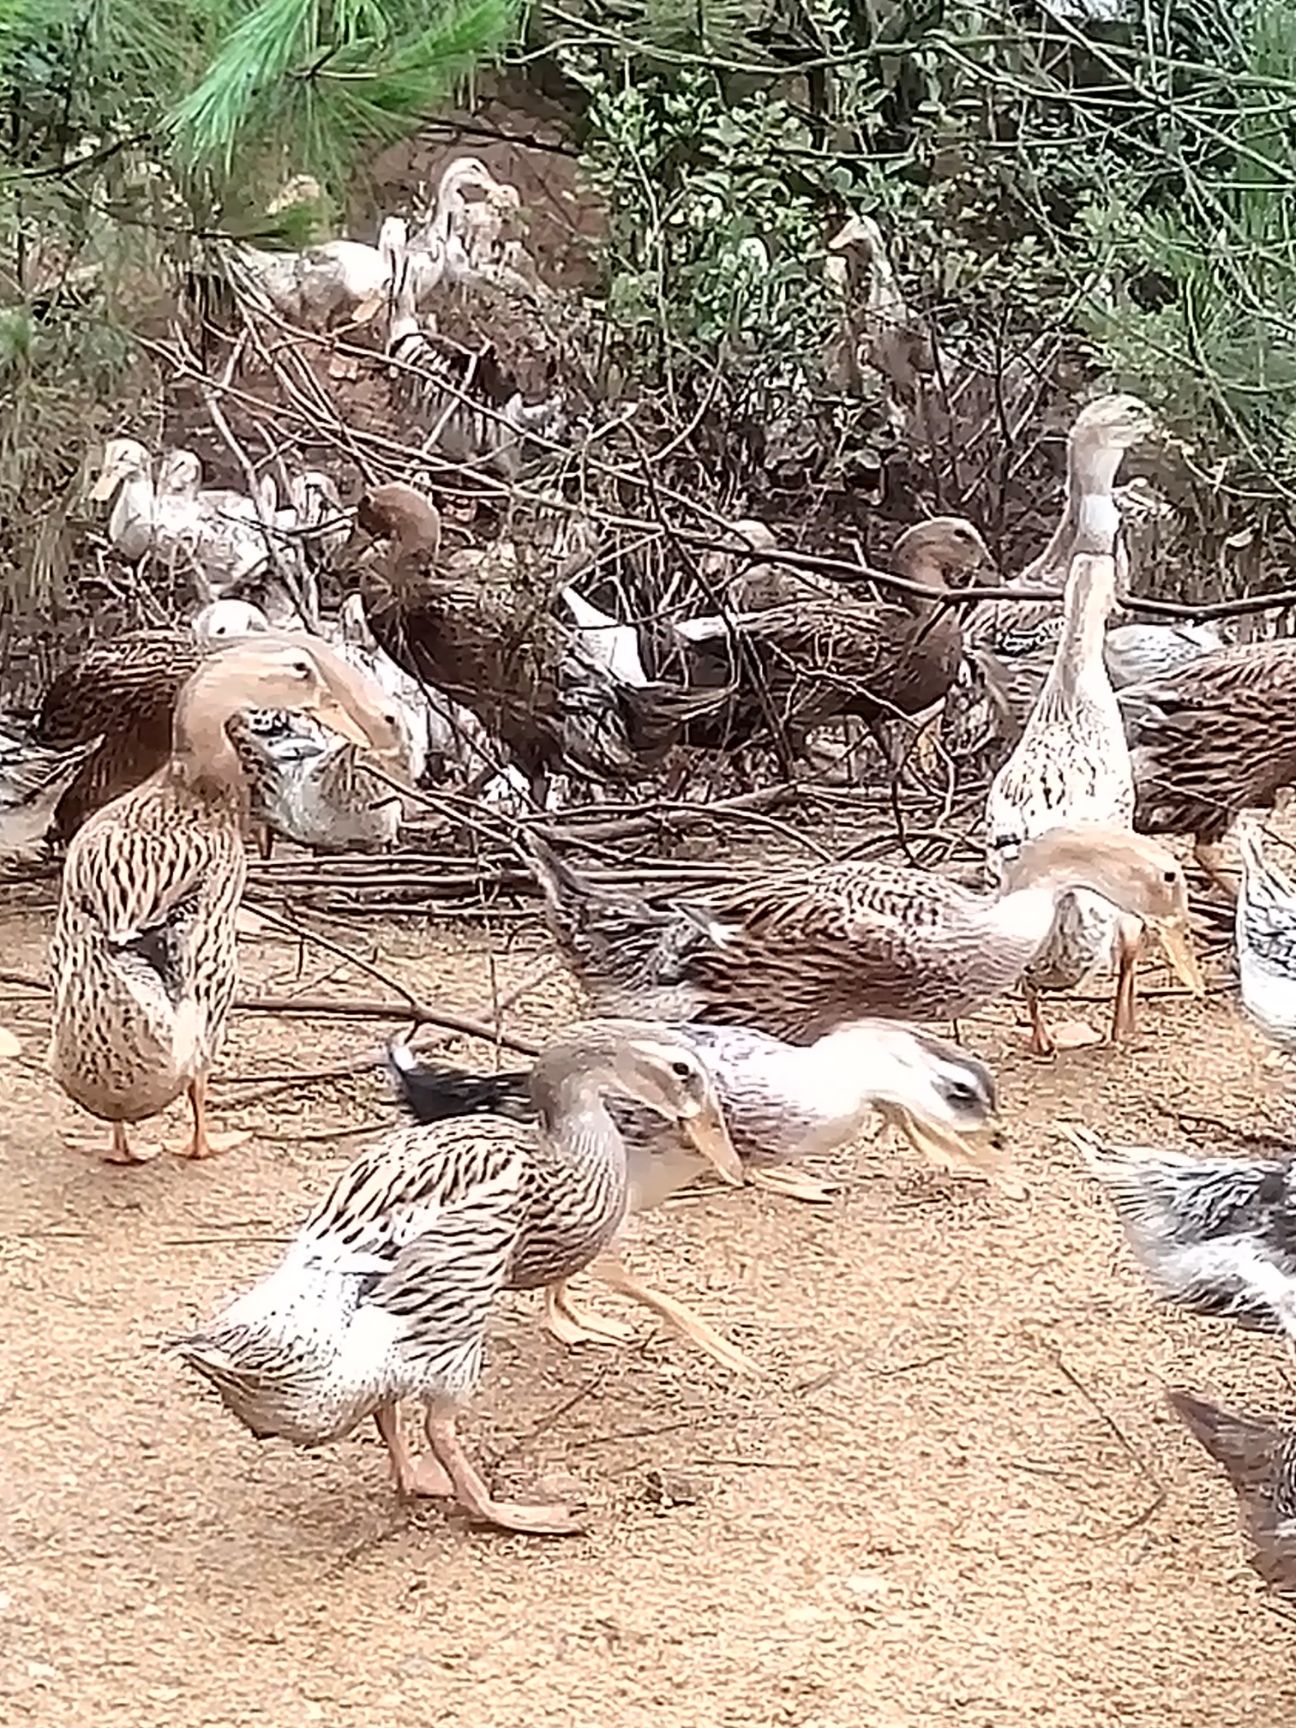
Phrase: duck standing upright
pixel 1072 765
pixel 143 957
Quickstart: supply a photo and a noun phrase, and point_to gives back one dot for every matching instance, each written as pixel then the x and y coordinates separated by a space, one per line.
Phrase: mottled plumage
pixel 33 778
pixel 143 953
pixel 803 951
pixel 1212 739
pixel 386 1289
pixel 1070 765
pixel 1258 1455
pixel 1265 925
pixel 1217 1236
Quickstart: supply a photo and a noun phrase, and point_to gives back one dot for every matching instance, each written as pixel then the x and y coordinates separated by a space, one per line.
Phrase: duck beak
pixel 1177 942
pixel 978 1151
pixel 707 1133
pixel 338 719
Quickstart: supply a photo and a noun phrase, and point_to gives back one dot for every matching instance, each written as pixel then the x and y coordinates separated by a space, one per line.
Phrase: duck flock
pixel 733 1034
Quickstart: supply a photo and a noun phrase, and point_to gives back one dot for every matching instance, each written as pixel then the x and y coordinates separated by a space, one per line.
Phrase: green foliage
pixel 315 84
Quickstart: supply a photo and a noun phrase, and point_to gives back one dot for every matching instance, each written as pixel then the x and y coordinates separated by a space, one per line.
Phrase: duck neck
pixel 1090 594
pixel 920 565
pixel 1090 516
pixel 202 754
pixel 570 1099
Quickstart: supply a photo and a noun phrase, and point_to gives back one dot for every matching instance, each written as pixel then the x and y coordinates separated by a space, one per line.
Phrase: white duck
pixel 1072 766
pixel 221 546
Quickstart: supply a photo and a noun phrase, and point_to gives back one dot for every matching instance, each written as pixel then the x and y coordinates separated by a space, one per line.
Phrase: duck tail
pixel 434 1091
pixel 1215 1236
pixel 1258 1456
pixel 1245 1446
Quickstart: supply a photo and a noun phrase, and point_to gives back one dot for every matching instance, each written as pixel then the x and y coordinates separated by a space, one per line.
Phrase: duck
pixel 1216 1236
pixel 123 692
pixel 385 1291
pixel 802 951
pixel 486 638
pixel 821 656
pixel 781 1103
pixel 33 778
pixel 1211 739
pixel 143 954
pixel 1265 927
pixel 316 789
pixel 1258 1454
pixel 466 236
pixel 220 545
pixel 1072 765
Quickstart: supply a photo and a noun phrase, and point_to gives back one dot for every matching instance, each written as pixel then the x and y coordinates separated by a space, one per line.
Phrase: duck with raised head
pixel 143 957
pixel 385 1292
pixel 782 1102
pixel 802 951
pixel 1072 765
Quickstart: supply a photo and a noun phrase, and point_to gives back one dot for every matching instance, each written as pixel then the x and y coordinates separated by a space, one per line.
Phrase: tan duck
pixel 804 951
pixel 1211 739
pixel 143 955
pixel 486 637
pixel 123 692
pixel 782 1102
pixel 1072 766
pixel 386 1290
pixel 825 655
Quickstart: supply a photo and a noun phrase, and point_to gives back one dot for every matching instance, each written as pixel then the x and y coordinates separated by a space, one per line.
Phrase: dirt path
pixel 918 1518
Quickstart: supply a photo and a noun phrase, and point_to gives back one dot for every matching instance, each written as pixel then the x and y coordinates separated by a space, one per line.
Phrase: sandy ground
pixel 955 1497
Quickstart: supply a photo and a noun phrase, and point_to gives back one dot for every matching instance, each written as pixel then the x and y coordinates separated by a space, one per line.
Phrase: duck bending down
pixel 1265 924
pixel 1217 1236
pixel 1210 740
pixel 386 1290
pixel 803 951
pixel 1258 1455
pixel 143 958
pixel 485 636
pixel 781 1101
pixel 1071 765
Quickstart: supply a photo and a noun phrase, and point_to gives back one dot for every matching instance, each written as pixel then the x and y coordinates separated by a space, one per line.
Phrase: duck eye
pixel 300 669
pixel 1171 877
pixel 681 1070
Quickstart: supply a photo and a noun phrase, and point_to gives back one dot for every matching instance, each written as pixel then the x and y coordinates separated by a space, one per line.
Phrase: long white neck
pixel 1090 595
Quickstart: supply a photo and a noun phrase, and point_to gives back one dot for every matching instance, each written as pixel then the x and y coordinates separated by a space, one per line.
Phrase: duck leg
pixel 1129 940
pixel 573 1325
pixel 414 1477
pixel 203 1144
pixel 793 1184
pixel 610 1271
pixel 122 1152
pixel 472 1494
pixel 1041 1039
